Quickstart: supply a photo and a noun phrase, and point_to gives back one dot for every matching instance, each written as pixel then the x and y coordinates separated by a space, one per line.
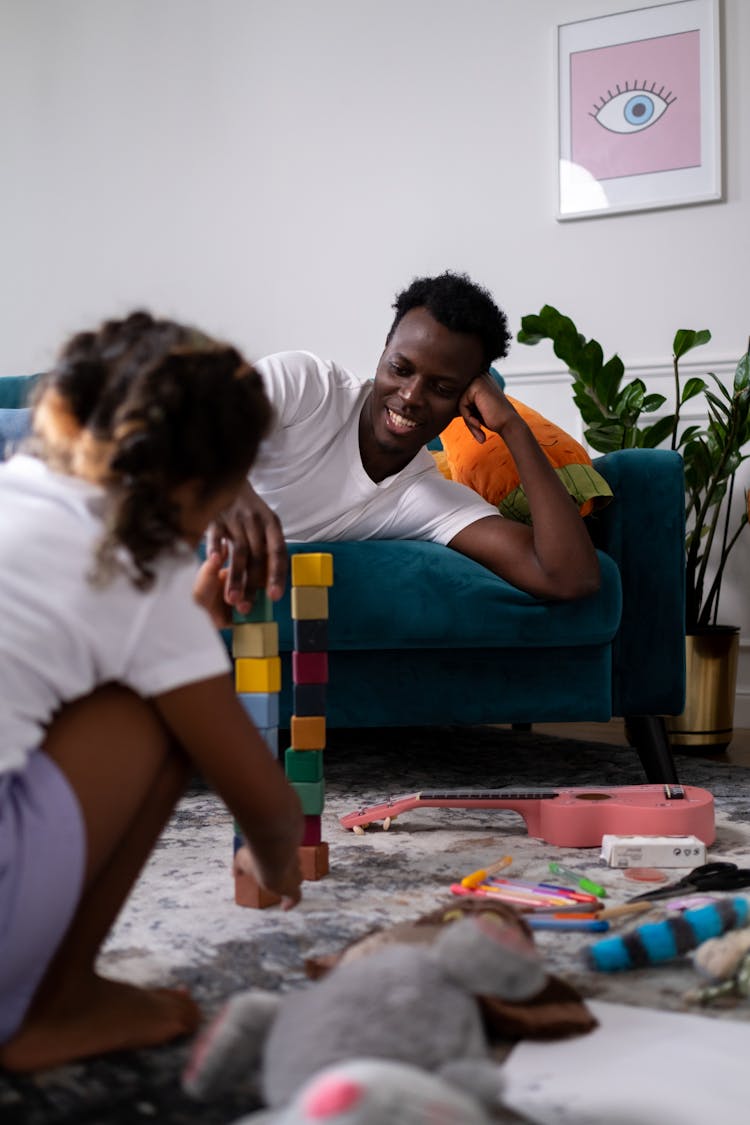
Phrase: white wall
pixel 278 169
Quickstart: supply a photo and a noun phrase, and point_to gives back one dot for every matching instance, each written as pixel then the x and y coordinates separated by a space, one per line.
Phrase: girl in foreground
pixel 114 684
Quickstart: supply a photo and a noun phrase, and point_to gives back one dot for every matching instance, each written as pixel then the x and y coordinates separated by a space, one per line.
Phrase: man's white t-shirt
pixel 310 472
pixel 61 636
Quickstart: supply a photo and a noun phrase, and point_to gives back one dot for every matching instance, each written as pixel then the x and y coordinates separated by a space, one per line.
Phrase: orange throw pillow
pixel 491 471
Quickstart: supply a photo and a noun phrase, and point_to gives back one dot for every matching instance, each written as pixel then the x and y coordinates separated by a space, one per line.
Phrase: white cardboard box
pixel 653 851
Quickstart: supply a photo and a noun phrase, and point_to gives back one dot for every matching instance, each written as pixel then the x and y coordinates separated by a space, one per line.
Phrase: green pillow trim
pixel 581 481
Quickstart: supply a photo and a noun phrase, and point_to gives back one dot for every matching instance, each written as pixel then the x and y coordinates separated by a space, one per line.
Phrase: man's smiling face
pixel 421 376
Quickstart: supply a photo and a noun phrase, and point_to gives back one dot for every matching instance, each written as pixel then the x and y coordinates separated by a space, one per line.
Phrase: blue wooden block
pixel 270 736
pixel 261 706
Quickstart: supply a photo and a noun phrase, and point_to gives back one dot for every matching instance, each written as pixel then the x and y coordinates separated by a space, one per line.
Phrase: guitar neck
pixel 500 795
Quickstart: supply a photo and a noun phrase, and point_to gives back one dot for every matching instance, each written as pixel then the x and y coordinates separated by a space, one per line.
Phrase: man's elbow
pixel 580 583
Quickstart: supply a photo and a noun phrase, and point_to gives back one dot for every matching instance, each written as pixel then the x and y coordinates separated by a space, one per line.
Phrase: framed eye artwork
pixel 639 110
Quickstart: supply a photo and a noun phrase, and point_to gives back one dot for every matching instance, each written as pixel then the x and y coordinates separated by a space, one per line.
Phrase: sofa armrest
pixel 643 530
pixel 15 390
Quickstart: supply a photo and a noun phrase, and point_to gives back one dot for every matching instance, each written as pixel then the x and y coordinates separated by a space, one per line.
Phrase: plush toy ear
pixel 490 957
pixel 229 1050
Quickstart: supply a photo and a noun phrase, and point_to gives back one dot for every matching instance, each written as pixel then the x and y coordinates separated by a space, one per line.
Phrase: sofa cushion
pixel 442 600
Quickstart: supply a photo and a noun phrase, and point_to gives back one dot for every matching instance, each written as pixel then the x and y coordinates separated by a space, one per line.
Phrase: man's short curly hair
pixel 458 303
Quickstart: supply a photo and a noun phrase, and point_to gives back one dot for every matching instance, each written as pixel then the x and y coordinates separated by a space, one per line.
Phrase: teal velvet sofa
pixel 420 635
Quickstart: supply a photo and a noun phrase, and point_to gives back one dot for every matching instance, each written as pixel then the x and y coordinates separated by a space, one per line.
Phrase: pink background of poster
pixel 672 141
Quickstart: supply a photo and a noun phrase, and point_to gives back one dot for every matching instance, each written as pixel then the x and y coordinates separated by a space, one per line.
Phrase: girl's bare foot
pixel 97 1017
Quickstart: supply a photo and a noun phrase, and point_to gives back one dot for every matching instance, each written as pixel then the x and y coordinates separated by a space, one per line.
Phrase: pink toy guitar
pixel 572 818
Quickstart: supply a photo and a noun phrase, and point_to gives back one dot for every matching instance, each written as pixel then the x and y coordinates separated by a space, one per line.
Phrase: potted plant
pixel 615 416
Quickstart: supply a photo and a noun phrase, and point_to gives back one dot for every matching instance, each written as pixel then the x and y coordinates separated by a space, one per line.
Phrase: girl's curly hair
pixel 141 406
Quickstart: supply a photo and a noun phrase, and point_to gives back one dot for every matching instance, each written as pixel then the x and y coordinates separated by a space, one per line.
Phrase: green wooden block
pixel 310 793
pixel 303 765
pixel 261 610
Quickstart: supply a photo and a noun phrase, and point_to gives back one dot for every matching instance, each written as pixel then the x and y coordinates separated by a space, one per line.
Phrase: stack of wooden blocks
pixel 255 648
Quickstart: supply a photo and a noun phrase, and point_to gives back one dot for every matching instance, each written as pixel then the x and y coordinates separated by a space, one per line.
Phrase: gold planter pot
pixel 707 723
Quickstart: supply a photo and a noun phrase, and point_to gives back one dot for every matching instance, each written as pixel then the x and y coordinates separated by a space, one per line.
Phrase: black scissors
pixel 708 877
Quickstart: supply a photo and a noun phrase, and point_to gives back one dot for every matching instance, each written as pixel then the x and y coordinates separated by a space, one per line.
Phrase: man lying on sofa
pixel 347 459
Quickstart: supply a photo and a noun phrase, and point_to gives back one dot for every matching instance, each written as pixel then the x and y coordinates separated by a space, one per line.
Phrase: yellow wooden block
pixel 260 638
pixel 257 673
pixel 308 732
pixel 312 570
pixel 309 603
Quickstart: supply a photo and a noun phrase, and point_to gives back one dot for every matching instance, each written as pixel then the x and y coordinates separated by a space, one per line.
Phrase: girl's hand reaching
pixel 286 883
pixel 208 589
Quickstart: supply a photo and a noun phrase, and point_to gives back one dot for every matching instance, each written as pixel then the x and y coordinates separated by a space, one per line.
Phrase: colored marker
pixel 518 894
pixel 577 896
pixel 539 889
pixel 481 876
pixel 588 925
pixel 513 898
pixel 579 880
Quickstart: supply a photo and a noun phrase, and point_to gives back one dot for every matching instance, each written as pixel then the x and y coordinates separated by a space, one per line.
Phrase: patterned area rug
pixel 181 924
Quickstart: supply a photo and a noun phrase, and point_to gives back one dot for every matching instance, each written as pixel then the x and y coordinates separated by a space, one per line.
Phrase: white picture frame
pixel 639 110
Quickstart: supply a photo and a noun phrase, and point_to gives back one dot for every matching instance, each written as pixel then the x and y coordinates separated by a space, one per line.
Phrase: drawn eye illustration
pixel 632 109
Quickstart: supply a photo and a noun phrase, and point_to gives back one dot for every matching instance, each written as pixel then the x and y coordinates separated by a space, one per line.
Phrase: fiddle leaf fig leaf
pixel 532 330
pixel 693 387
pixel 605 437
pixel 718 404
pixel 686 339
pixel 631 398
pixel 589 362
pixel 656 434
pixel 688 435
pixel 609 379
pixel 742 373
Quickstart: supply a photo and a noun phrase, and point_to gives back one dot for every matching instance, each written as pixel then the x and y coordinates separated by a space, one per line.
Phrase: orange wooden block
pixel 313 860
pixel 249 893
pixel 308 732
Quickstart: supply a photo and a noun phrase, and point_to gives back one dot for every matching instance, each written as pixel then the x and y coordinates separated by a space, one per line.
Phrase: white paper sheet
pixel 639 1067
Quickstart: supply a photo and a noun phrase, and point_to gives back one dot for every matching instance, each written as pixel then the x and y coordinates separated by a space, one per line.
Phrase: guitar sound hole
pixel 593 797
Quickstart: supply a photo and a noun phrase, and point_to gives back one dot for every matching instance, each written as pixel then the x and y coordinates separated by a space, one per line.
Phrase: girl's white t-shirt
pixel 61 636
pixel 310 472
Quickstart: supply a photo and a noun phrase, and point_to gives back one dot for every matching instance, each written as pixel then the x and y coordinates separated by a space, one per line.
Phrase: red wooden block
pixel 247 892
pixel 310 667
pixel 313 861
pixel 313 832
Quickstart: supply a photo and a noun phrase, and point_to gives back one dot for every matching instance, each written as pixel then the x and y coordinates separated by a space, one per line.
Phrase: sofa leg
pixel 647 734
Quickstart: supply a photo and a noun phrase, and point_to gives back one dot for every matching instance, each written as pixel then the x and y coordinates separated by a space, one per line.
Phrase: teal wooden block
pixel 303 765
pixel 261 610
pixel 310 793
